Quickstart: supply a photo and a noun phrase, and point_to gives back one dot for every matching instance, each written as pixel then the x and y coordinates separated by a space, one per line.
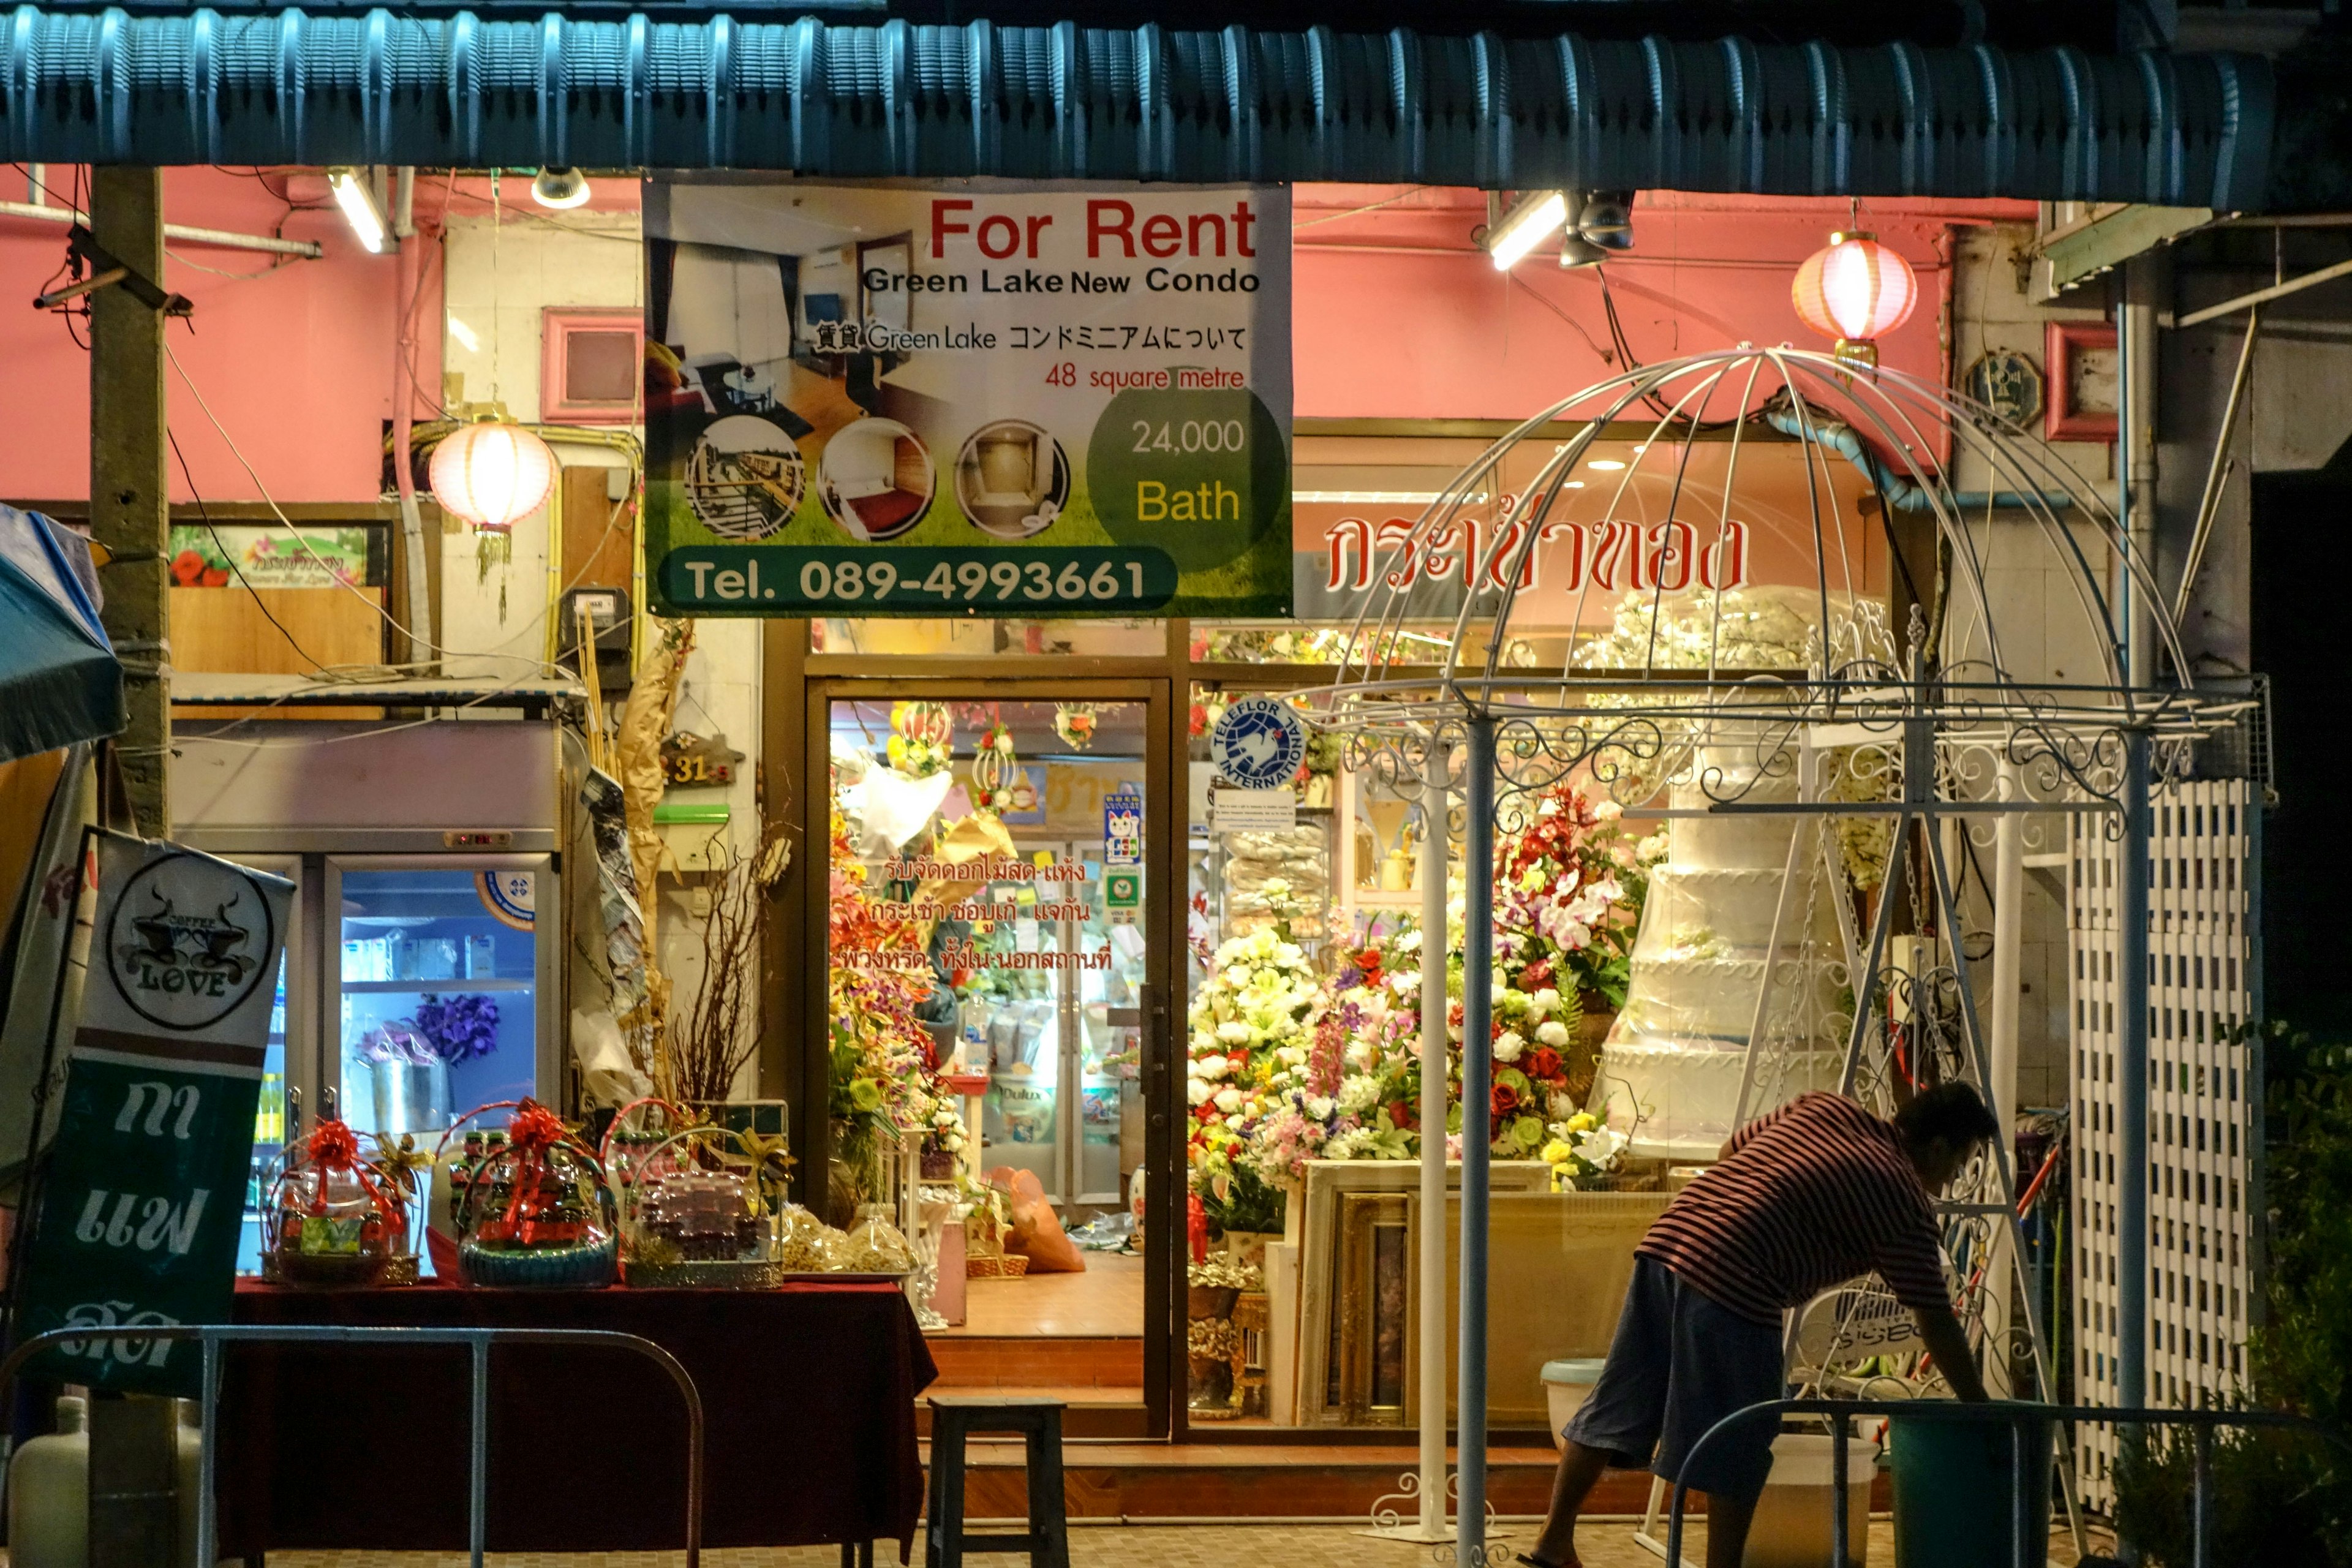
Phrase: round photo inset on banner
pixel 1012 480
pixel 876 479
pixel 745 479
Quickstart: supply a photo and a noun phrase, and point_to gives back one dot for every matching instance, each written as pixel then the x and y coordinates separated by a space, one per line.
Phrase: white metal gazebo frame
pixel 2094 746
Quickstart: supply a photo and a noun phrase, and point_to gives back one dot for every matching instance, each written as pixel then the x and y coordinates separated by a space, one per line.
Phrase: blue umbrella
pixel 59 681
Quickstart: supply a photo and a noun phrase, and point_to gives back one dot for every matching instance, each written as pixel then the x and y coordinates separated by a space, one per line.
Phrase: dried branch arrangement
pixel 713 1038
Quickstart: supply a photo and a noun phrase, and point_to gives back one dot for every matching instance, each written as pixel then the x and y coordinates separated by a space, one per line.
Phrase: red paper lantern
pixel 492 474
pixel 1856 291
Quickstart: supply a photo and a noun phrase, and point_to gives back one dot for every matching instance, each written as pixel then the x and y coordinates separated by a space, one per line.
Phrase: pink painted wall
pixel 295 360
pixel 1399 315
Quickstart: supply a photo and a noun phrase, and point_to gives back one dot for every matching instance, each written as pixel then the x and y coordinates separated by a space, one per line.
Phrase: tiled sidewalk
pixel 1602 1543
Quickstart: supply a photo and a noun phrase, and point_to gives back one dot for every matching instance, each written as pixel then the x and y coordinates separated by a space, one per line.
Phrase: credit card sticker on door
pixel 1122 831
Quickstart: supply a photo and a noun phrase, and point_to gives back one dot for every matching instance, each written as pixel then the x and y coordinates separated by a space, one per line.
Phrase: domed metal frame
pixel 1974 739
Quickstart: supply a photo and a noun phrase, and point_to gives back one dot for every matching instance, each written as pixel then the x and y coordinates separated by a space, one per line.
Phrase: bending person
pixel 1813 1194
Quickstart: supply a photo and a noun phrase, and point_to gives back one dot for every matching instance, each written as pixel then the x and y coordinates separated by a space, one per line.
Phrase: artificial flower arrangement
pixel 919 734
pixel 1076 723
pixel 1582 1153
pixel 1254 1019
pixel 1568 891
pixel 883 1080
pixel 995 769
pixel 461 1028
pixel 1286 1072
pixel 944 1139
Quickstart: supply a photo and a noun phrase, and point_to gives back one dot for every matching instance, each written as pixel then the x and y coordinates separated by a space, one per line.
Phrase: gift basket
pixel 529 1206
pixel 699 1210
pixel 336 1218
pixel 641 1139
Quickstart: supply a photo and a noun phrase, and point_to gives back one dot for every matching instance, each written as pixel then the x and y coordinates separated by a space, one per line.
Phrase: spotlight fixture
pixel 558 188
pixel 1607 219
pixel 1529 222
pixel 355 193
pixel 1575 250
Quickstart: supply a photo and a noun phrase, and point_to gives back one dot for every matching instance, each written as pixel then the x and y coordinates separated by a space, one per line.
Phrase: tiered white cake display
pixel 1672 1067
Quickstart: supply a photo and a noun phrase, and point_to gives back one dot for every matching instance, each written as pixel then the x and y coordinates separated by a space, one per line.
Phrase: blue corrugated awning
pixel 1148 103
pixel 60 683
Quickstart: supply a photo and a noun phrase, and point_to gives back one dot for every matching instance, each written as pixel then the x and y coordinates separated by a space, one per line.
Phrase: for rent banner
pixel 983 398
pixel 142 1191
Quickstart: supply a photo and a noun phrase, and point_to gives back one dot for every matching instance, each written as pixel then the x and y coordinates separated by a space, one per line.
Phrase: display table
pixel 808 1398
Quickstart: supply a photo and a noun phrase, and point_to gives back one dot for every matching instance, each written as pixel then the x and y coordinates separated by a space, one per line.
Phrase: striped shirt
pixel 1812 1196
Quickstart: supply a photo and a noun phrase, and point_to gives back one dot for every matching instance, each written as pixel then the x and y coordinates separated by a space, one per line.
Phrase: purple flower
pixel 459 1028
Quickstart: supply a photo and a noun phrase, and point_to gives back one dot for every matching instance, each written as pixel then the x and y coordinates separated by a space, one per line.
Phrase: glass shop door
pixel 1064 1051
pixel 991 924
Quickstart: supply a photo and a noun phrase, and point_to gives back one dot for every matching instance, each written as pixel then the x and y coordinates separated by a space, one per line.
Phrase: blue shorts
pixel 1679 1365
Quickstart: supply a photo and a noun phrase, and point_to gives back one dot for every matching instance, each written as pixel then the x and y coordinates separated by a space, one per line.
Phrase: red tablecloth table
pixel 808 1396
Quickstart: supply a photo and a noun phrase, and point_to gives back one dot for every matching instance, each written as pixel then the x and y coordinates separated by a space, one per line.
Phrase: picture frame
pixel 2084 376
pixel 592 363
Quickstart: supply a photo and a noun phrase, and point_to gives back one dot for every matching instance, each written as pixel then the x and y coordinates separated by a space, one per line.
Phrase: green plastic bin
pixel 1955 1492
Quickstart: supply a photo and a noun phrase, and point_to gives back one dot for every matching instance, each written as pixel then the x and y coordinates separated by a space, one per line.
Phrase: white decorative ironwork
pixel 1895 746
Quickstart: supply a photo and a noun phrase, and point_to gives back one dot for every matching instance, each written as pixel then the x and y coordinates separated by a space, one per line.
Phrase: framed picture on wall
pixel 591 365
pixel 2085 388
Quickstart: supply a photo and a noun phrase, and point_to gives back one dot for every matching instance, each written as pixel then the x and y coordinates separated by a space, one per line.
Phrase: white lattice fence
pixel 2202 1118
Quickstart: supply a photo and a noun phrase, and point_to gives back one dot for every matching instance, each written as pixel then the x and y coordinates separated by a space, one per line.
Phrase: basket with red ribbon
pixel 529 1206
pixel 336 1218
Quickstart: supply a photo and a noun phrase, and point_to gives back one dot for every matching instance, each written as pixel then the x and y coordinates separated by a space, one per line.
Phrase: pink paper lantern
pixel 1856 291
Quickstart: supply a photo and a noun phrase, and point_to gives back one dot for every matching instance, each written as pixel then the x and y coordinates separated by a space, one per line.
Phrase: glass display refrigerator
pixel 1062 1045
pixel 289 1019
pixel 413 989
pixel 441 981
pixel 422 974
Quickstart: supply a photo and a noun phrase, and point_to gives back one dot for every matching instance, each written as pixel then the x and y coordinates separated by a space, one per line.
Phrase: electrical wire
pixel 1541 298
pixel 414 639
pixel 537 666
pixel 217 736
pixel 222 272
pixel 1358 212
pixel 243 581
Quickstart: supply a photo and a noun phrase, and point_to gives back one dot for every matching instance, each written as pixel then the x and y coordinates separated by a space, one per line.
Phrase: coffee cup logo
pixel 187 941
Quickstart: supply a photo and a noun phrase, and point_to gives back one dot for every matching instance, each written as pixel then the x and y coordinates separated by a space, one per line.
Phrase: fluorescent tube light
pixel 1533 219
pixel 358 201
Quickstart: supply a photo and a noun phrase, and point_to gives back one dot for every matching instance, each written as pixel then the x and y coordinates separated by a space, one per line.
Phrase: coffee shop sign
pixel 1612 554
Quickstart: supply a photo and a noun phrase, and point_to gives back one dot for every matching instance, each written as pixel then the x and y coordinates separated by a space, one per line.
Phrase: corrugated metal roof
pixel 1148 104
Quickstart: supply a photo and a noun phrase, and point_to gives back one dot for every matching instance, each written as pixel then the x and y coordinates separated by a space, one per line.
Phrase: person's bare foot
pixel 1529 1560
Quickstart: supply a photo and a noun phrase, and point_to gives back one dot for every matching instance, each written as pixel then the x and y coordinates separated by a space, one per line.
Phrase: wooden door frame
pixel 798 690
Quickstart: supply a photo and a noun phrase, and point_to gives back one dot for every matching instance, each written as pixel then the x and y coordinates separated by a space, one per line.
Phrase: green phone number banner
pixel 973 399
